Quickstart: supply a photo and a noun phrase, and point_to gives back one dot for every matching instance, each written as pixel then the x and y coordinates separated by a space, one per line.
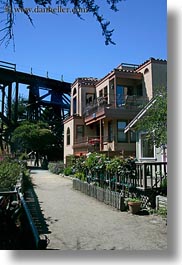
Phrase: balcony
pixel 127 106
pixel 86 142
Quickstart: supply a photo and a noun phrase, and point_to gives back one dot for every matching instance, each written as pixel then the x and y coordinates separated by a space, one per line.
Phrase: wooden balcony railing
pixel 149 175
pixel 127 102
pixel 87 140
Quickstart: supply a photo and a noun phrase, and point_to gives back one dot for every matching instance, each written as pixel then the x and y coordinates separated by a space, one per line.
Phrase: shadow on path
pixel 35 209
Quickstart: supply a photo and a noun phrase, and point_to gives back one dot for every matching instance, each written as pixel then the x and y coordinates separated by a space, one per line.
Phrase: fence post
pixel 144 177
pixel 122 205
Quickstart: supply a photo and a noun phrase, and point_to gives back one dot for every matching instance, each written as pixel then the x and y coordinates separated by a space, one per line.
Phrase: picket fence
pixel 115 199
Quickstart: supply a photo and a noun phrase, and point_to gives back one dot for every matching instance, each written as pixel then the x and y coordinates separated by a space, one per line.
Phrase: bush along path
pixel 10 209
pixel 21 223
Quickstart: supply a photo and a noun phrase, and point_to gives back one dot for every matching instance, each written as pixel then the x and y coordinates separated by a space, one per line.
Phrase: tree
pixel 30 136
pixel 19 110
pixel 9 7
pixel 154 122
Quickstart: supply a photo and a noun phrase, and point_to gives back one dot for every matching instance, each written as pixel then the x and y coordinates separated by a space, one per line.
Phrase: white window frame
pixel 140 149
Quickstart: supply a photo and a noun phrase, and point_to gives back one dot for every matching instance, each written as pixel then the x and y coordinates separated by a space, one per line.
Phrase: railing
pixel 11 204
pixel 92 140
pixel 126 102
pixel 7 65
pixel 150 174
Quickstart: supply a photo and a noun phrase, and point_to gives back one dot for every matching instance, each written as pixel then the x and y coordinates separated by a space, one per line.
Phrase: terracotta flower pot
pixel 134 207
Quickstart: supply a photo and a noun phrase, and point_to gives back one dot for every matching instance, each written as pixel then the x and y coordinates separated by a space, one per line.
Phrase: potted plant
pixel 134 205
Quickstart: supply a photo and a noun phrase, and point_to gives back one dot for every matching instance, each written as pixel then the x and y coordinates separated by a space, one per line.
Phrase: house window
pixel 105 91
pixel 146 71
pixel 74 91
pixel 89 98
pixel 119 96
pixel 79 131
pixel 68 136
pixel 130 90
pixel 139 90
pixel 110 131
pixel 146 146
pixel 100 93
pixel 122 137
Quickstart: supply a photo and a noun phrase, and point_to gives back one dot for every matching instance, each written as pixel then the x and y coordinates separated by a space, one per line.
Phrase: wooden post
pixel 100 136
pixel 2 113
pixel 122 206
pixel 16 102
pixel 9 100
pixel 144 176
pixel 151 176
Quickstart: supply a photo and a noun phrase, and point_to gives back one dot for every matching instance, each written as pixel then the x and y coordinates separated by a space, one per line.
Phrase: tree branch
pixel 7 8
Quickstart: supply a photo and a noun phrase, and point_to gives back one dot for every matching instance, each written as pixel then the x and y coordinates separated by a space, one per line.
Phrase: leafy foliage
pixel 114 165
pixel 67 171
pixel 155 120
pixel 56 167
pixel 78 165
pixel 80 176
pixel 163 212
pixel 164 186
pixel 32 136
pixel 9 174
pixel 98 167
pixel 95 162
pixel 21 109
pixel 133 200
pixel 89 5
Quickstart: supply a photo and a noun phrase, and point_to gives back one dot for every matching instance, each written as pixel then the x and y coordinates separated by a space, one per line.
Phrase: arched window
pixel 146 71
pixel 68 136
pixel 74 91
pixel 74 101
pixel 75 105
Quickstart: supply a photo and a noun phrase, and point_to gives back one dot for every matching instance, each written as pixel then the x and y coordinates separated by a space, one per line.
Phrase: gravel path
pixel 77 221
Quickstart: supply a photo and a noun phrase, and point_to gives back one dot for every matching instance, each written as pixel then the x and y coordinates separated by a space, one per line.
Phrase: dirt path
pixel 77 221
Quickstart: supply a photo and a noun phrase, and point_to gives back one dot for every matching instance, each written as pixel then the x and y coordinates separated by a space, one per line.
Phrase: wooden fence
pixel 161 202
pixel 115 199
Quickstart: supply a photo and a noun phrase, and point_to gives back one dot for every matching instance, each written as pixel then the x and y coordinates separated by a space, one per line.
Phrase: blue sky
pixel 66 45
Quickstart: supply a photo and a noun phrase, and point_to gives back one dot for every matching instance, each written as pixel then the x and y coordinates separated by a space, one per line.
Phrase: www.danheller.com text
pixel 48 9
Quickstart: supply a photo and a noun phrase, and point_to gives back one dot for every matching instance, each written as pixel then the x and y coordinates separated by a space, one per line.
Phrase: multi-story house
pixel 101 109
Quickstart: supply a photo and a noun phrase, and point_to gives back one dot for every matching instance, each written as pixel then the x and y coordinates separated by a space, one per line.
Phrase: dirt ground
pixel 79 222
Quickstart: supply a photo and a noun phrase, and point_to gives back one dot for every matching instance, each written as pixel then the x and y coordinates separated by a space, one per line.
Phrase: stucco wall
pixel 147 81
pixel 82 103
pixel 68 149
pixel 159 76
pixel 154 76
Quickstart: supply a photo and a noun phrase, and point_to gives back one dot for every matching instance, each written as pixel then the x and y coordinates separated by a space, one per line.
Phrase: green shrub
pixel 163 212
pixel 80 176
pixel 44 164
pixel 56 167
pixel 23 156
pixel 9 174
pixel 164 186
pixel 133 200
pixel 67 171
